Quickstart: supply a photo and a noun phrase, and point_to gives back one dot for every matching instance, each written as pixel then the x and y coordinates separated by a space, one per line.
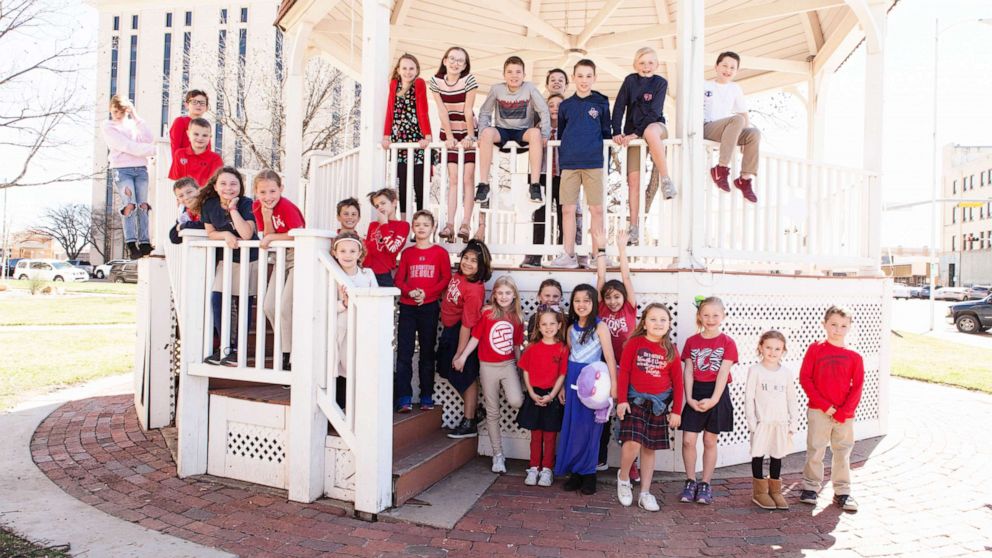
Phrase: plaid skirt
pixel 644 427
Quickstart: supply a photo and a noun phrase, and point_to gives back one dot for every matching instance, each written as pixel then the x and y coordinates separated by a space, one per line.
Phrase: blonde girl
pixel 349 251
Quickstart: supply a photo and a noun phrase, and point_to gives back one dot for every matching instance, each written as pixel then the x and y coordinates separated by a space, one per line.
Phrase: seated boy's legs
pixel 532 138
pixel 140 181
pixel 750 141
pixel 285 312
pixel 726 131
pixel 487 139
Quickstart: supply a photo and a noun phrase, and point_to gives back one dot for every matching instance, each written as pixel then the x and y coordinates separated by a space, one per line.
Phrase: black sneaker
pixel 846 502
pixel 465 429
pixel 145 249
pixel 482 193
pixel 536 193
pixel 808 497
pixel 214 358
pixel 573 483
pixel 133 251
pixel 231 359
pixel 589 484
pixel 286 365
pixel 531 261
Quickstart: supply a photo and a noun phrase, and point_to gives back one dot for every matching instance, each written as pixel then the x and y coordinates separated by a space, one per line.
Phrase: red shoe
pixel 720 174
pixel 635 475
pixel 744 185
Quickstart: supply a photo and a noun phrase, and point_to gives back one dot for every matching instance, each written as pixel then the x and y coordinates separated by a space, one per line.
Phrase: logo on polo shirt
pixel 594 113
pixel 501 338
pixel 183 161
pixel 647 97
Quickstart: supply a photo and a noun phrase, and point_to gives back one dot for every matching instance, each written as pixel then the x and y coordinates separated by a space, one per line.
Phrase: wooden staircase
pixel 423 454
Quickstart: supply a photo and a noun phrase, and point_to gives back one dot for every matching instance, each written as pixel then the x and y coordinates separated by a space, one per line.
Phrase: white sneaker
pixel 647 502
pixel 531 479
pixel 499 463
pixel 563 261
pixel 668 188
pixel 624 494
pixel 546 478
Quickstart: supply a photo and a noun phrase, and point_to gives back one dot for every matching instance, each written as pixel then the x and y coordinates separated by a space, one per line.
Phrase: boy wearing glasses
pixel 197 104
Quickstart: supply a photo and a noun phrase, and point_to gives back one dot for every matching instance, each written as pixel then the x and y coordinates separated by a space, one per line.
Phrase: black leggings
pixel 418 185
pixel 774 467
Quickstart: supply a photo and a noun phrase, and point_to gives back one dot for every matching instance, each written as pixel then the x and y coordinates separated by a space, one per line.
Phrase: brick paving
pixel 923 491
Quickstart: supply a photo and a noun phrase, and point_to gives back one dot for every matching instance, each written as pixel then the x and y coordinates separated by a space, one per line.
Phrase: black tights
pixel 774 467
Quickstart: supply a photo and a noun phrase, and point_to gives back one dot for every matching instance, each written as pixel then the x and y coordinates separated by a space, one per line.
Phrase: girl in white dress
pixel 772 414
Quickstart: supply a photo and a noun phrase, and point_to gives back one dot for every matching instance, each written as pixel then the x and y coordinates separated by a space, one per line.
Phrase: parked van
pixel 49 270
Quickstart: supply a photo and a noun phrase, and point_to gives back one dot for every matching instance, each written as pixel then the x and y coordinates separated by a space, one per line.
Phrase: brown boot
pixel 775 491
pixel 759 489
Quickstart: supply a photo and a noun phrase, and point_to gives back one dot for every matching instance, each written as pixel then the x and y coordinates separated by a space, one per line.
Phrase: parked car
pixel 84 265
pixel 923 292
pixel 971 317
pixel 978 292
pixel 49 270
pixel 103 270
pixel 902 291
pixel 126 272
pixel 11 264
pixel 951 293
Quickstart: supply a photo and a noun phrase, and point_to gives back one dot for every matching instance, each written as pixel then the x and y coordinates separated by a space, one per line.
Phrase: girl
pixel 539 217
pixel 588 342
pixel 650 378
pixel 453 87
pixel 708 357
pixel 386 236
pixel 544 363
pixel 349 252
pixel 772 418
pixel 461 309
pixel 548 294
pixel 227 215
pixel 423 274
pixel 498 335
pixel 130 142
pixel 277 216
pixel 642 99
pixel 407 122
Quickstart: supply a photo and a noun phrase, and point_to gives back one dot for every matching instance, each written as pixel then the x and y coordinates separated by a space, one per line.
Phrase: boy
pixel 725 120
pixel 185 190
pixel 831 376
pixel 583 124
pixel 508 115
pixel 196 161
pixel 197 104
pixel 349 214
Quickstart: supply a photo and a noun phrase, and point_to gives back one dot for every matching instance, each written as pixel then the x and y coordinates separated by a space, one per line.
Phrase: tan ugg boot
pixel 775 491
pixel 759 489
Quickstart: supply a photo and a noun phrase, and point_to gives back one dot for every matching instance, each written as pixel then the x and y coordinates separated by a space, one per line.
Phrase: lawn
pixel 67 309
pixel 13 545
pixel 933 360
pixel 84 287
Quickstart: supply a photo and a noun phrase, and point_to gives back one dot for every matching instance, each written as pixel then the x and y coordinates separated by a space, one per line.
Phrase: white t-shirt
pixel 722 100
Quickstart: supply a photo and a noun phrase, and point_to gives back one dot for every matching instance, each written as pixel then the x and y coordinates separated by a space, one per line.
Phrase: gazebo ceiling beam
pixel 768 81
pixel 471 38
pixel 528 56
pixel 813 31
pixel 590 29
pixel 400 10
pixel 750 62
pixel 868 24
pixel 514 11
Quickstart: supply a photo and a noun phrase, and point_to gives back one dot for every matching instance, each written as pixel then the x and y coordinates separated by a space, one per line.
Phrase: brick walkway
pixel 921 493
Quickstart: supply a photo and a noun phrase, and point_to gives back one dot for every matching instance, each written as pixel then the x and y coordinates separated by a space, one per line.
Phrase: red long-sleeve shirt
pixel 420 94
pixel 832 376
pixel 423 268
pixel 643 365
pixel 383 242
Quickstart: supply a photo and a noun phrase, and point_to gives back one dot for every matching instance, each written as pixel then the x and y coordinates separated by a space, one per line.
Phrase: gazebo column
pixel 689 128
pixel 375 83
pixel 293 93
pixel 874 24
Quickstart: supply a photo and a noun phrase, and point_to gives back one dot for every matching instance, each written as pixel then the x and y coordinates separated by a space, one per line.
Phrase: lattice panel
pixel 174 362
pixel 259 443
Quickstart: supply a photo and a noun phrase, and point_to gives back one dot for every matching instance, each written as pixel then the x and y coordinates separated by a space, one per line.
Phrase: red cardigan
pixel 420 91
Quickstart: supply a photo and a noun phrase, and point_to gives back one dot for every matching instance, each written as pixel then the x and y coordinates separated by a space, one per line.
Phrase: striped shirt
pixel 453 97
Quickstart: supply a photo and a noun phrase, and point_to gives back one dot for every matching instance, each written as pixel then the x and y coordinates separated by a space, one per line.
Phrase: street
pixel 912 315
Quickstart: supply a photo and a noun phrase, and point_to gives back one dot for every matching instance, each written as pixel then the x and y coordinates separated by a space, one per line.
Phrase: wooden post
pixel 690 129
pixel 153 352
pixel 191 412
pixel 296 61
pixel 375 69
pixel 873 136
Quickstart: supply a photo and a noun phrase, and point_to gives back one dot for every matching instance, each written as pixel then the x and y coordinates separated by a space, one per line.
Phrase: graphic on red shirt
pixel 707 360
pixel 462 302
pixel 497 337
pixel 708 355
pixel 454 293
pixel 649 362
pixel 285 216
pixel 501 337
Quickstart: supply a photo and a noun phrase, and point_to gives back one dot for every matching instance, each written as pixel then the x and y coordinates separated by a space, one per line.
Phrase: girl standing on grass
pixel 348 250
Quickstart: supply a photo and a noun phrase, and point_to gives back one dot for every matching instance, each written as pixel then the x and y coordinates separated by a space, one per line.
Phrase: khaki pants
pixel 824 431
pixel 286 312
pixel 730 132
pixel 492 374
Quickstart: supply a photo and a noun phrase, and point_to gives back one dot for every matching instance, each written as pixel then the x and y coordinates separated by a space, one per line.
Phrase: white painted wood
pixel 690 121
pixel 296 41
pixel 874 121
pixel 376 65
pixel 153 354
pixel 191 410
pixel 248 441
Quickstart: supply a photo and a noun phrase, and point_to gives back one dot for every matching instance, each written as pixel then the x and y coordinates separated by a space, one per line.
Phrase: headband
pixel 344 238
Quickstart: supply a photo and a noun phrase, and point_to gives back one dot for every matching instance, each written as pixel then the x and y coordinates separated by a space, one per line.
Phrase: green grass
pixel 85 287
pixel 934 360
pixel 13 545
pixel 66 310
pixel 39 361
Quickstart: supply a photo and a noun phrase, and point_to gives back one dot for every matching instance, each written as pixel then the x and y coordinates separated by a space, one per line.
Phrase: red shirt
pixel 497 338
pixel 707 355
pixel 423 268
pixel 643 366
pixel 832 376
pixel 462 302
pixel 544 363
pixel 198 167
pixel 620 323
pixel 178 137
pixel 285 216
pixel 383 242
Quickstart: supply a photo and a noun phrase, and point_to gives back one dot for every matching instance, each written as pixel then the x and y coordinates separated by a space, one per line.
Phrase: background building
pixel 966 255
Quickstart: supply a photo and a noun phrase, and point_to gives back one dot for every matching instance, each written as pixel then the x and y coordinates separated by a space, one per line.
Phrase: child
pixel 588 342
pixel 544 362
pixel 556 82
pixel 540 217
pixel 407 121
pixel 498 335
pixel 548 294
pixel 386 236
pixel 276 216
pixel 197 104
pixel 453 87
pixel 772 418
pixel 422 276
pixel 725 120
pixel 349 214
pixel 196 161
pixel 186 190
pixel 583 122
pixel 650 378
pixel 639 113
pixel 832 377
pixel 461 309
pixel 708 357
pixel 227 215
pixel 349 251
pixel 511 107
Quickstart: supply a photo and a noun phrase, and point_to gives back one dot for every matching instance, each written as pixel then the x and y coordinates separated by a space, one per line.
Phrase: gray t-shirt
pixel 515 111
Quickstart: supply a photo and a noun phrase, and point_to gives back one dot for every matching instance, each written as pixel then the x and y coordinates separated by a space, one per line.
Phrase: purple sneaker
pixel 704 494
pixel 689 492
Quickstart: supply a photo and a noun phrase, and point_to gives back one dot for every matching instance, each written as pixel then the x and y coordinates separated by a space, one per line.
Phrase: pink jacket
pixel 130 142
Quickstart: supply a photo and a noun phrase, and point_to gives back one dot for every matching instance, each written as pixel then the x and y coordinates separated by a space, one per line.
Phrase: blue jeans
pixel 414 322
pixel 135 181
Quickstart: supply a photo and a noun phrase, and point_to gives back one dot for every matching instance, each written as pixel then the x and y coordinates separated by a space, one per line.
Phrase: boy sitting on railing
pixel 725 120
pixel 196 161
pixel 186 190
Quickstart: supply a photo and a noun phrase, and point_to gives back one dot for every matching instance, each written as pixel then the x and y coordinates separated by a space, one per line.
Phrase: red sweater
pixel 832 376
pixel 383 242
pixel 423 268
pixel 462 302
pixel 199 167
pixel 643 366
pixel 497 338
pixel 420 92
pixel 178 138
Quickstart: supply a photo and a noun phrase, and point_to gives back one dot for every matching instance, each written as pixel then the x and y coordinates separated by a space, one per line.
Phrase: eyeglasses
pixel 454 60
pixel 198 103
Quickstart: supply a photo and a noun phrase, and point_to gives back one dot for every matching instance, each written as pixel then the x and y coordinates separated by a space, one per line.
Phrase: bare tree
pixel 70 225
pixel 104 225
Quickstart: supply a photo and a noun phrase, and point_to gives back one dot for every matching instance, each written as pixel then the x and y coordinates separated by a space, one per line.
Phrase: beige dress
pixel 772 410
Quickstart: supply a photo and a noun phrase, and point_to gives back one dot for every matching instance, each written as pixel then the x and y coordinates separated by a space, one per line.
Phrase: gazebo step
pixel 410 428
pixel 433 457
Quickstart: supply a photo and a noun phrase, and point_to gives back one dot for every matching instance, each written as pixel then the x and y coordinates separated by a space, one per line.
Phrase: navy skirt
pixel 547 418
pixel 718 419
pixel 447 346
